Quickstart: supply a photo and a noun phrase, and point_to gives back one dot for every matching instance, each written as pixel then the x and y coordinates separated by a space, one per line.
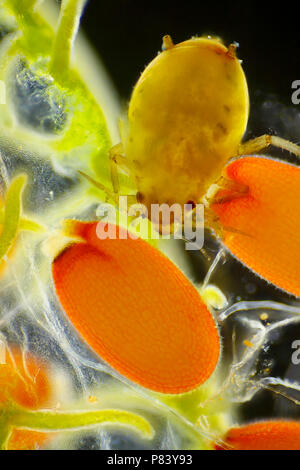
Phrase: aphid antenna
pixel 68 24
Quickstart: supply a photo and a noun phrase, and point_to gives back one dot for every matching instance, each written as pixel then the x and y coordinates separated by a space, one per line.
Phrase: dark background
pixel 127 34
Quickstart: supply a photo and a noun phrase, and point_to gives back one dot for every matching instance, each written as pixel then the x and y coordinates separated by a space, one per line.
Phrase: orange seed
pixel 27 388
pixel 267 219
pixel 136 310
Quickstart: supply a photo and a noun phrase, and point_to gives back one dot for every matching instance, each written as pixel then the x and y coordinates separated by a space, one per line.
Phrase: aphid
pixel 187 115
pixel 267 219
pixel 264 435
pixel 136 310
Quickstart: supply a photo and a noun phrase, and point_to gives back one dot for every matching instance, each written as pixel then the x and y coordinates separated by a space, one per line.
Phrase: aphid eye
pixel 191 203
pixel 140 197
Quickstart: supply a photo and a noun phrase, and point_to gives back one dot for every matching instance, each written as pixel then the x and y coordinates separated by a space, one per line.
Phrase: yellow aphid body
pixel 187 116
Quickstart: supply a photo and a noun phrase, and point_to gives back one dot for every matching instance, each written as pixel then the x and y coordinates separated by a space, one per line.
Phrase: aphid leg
pixel 118 157
pixel 260 143
pixel 224 190
pixel 229 190
pixel 232 190
pixel 210 221
pixel 115 159
pixel 110 195
pixel 213 223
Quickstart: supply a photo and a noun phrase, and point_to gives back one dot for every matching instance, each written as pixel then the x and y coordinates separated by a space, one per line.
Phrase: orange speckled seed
pixel 29 388
pixel 267 218
pixel 22 439
pixel 137 311
pixel 265 435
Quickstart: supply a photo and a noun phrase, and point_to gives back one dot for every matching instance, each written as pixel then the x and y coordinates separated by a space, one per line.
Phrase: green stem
pixel 12 214
pixel 29 3
pixel 50 421
pixel 21 7
pixel 68 25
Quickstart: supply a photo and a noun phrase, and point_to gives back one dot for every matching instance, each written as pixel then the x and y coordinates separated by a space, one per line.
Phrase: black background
pixel 127 35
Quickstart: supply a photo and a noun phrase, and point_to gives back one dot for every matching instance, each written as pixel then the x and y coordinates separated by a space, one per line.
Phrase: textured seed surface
pixel 137 311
